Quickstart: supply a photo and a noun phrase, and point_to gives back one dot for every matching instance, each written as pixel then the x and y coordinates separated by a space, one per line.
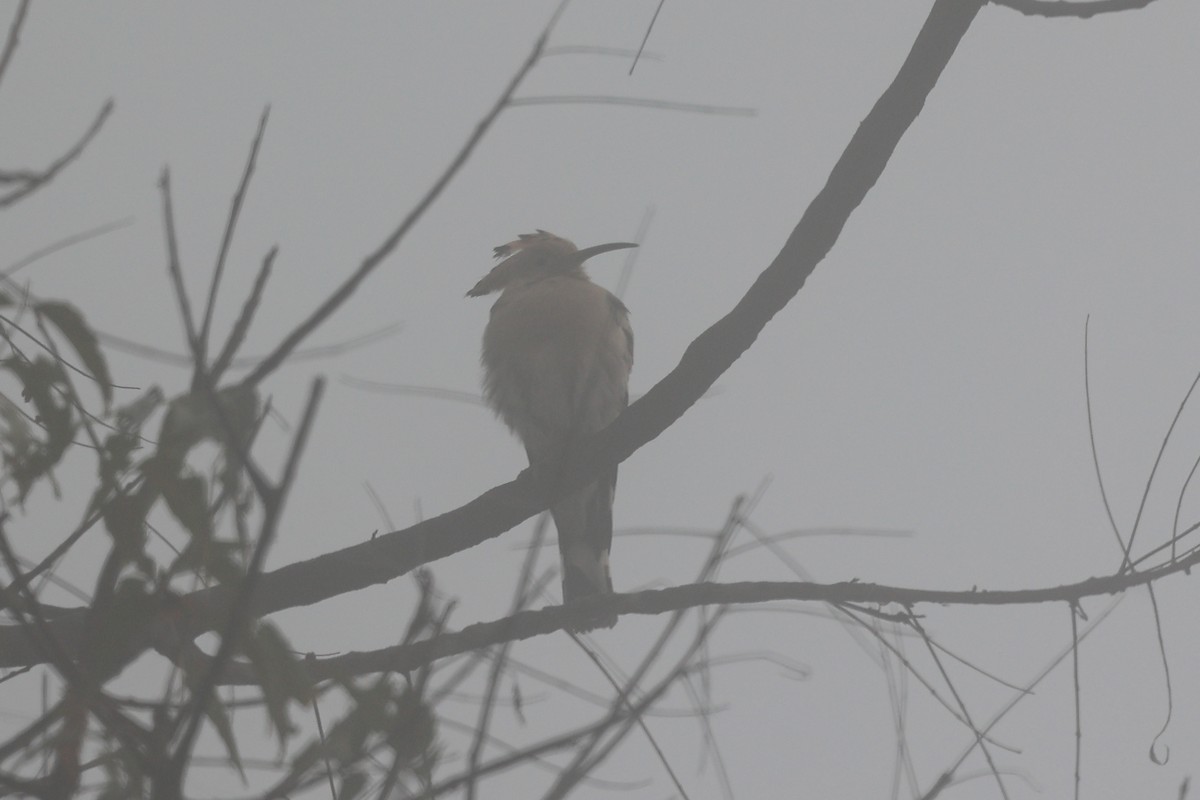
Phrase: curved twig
pixel 32 181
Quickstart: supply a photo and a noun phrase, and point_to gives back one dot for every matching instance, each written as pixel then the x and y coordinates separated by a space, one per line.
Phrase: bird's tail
pixel 584 522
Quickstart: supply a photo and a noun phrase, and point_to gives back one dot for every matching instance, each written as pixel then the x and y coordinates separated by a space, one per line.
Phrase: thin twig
pixel 962 706
pixel 710 737
pixel 1179 506
pixel 226 239
pixel 1074 611
pixel 1162 448
pixel 898 697
pixel 77 370
pixel 14 37
pixel 921 679
pixel 62 244
pixel 173 267
pixel 316 704
pixel 1188 531
pixel 1087 396
pixel 635 102
pixel 583 758
pixel 555 743
pixel 574 772
pixel 33 181
pixel 237 333
pixel 947 776
pixel 641 722
pixel 646 37
pixel 1166 664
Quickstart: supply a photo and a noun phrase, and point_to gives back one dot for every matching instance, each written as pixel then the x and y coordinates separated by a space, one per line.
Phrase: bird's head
pixel 538 255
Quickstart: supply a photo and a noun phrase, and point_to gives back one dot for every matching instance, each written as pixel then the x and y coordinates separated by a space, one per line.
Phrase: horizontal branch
pixel 527 624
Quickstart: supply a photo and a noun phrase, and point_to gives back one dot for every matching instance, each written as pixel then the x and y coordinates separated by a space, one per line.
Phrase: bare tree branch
pixel 652 602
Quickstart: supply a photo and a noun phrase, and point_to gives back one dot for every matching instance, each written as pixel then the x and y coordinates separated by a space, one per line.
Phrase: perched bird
pixel 557 353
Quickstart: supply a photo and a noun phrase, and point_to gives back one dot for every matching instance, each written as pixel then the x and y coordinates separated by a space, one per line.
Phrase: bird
pixel 557 353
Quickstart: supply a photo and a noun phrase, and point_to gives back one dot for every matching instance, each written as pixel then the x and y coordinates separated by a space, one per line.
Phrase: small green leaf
pixel 70 323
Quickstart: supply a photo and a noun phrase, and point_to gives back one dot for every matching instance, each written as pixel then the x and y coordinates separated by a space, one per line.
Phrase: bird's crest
pixel 525 241
pixel 536 255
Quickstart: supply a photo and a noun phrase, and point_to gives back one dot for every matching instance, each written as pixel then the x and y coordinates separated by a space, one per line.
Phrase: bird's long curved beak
pixel 595 250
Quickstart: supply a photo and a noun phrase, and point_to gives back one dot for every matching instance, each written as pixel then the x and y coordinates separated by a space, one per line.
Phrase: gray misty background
pixel 928 379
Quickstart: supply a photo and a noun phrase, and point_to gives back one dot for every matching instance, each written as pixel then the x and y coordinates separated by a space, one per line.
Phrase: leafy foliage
pixel 135 593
